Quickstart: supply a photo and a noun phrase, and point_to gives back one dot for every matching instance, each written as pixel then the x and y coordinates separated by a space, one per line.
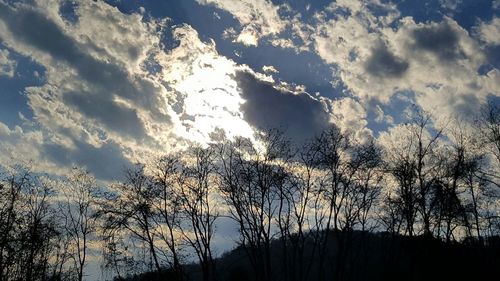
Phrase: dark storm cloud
pixel 104 79
pixel 439 39
pixel 106 162
pixel 267 107
pixel 383 63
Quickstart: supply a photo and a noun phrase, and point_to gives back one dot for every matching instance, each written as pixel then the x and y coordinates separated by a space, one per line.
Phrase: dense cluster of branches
pixel 426 181
pixel 45 235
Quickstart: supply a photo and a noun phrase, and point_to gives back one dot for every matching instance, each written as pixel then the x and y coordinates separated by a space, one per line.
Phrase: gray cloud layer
pixel 266 107
pixel 439 39
pixel 383 63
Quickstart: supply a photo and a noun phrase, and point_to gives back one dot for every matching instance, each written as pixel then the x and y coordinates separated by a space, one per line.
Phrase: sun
pixel 211 101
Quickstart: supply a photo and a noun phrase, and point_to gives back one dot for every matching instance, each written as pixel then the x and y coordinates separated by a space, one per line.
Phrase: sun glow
pixel 211 101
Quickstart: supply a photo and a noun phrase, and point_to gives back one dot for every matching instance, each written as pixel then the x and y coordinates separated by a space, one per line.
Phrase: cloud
pixel 376 55
pixel 269 69
pixel 298 114
pixel 450 4
pixel 7 64
pixel 215 93
pixel 205 97
pixel 489 31
pixel 83 76
pixel 18 144
pixel 495 4
pixel 106 111
pixel 383 63
pixel 441 39
pixel 105 162
pixel 351 117
pixel 113 95
pixel 113 89
pixel 97 91
pixel 258 18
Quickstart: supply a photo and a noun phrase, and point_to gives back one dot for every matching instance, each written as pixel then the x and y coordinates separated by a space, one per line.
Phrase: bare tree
pixel 368 177
pixel 402 168
pixel 197 186
pixel 304 235
pixel 391 214
pixel 252 181
pixel 426 139
pixel 456 160
pixel 332 158
pixel 415 169
pixel 489 128
pixel 39 230
pixel 361 181
pixel 29 230
pixel 79 214
pixel 117 258
pixel 10 198
pixel 168 206
pixel 238 194
pixel 283 189
pixel 132 210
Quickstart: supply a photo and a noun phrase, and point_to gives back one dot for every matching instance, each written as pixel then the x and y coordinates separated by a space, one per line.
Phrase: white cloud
pixel 450 4
pixel 489 32
pixel 285 44
pixel 20 146
pixel 214 93
pixel 113 96
pixel 7 64
pixel 350 116
pixel 100 96
pixel 207 97
pixel 269 69
pixel 438 61
pixel 377 54
pixel 248 37
pixel 258 18
pixel 381 117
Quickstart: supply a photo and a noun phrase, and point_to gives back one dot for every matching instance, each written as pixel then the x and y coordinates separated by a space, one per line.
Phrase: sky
pixel 104 84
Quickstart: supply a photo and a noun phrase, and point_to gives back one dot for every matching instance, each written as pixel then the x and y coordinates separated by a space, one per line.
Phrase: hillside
pixel 368 256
